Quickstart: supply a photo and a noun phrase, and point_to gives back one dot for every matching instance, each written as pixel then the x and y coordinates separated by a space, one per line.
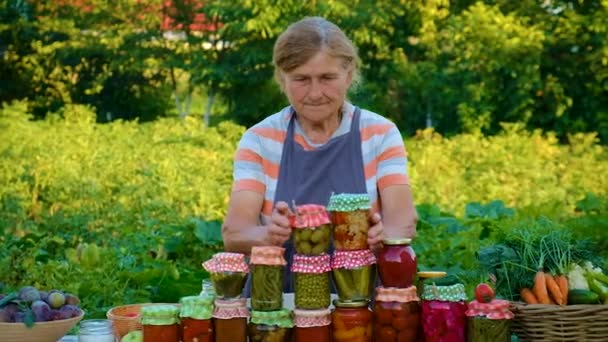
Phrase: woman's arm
pixel 242 228
pixel 399 215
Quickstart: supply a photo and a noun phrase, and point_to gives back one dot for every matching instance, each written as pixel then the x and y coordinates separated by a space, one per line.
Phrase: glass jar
pixel 350 218
pixel 396 314
pixel 267 269
pixel 311 229
pixel 312 325
pixel 96 330
pixel 397 264
pixel 354 274
pixel 195 314
pixel 443 313
pixel 228 272
pixel 489 322
pixel 230 320
pixel 352 321
pixel 311 278
pixel 160 323
pixel 207 288
pixel 270 326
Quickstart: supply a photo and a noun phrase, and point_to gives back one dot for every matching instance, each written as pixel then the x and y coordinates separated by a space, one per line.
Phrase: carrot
pixel 540 288
pixel 527 296
pixel 562 282
pixel 553 289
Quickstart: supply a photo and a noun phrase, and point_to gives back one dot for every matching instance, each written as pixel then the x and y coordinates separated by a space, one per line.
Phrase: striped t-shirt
pixel 258 156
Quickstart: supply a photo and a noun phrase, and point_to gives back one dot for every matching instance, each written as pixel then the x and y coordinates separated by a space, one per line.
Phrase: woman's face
pixel 317 89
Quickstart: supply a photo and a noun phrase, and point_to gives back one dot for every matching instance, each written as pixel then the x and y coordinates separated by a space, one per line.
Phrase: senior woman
pixel 319 145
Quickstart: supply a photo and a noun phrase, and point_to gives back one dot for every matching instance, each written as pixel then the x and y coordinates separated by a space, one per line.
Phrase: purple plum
pixel 69 311
pixel 42 311
pixel 72 299
pixel 55 315
pixel 29 294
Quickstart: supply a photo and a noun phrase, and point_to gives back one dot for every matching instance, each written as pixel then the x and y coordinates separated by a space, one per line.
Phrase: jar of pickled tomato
pixel 396 315
pixel 195 314
pixel 352 321
pixel 312 325
pixel 160 323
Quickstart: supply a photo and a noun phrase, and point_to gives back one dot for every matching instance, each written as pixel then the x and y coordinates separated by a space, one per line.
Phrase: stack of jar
pixel 310 270
pixel 270 322
pixel 353 267
pixel 397 308
pixel 228 273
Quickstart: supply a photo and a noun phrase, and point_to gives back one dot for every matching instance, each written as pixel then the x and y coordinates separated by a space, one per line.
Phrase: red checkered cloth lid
pixel 311 318
pixel 267 255
pixel 496 309
pixel 353 259
pixel 395 294
pixel 311 264
pixel 226 262
pixel 227 309
pixel 309 216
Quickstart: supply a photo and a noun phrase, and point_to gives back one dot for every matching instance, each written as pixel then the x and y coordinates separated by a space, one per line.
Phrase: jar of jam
pixel 195 313
pixel 228 273
pixel 270 326
pixel 311 229
pixel 354 274
pixel 349 215
pixel 267 267
pixel 397 264
pixel 352 321
pixel 230 320
pixel 312 285
pixel 396 314
pixel 160 323
pixel 489 322
pixel 443 313
pixel 312 325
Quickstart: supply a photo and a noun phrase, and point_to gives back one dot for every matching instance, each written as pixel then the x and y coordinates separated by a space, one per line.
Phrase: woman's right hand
pixel 279 229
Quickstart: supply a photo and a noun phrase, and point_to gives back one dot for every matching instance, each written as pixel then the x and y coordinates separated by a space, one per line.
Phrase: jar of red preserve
pixel 312 325
pixel 195 314
pixel 443 313
pixel 230 320
pixel 397 264
pixel 160 323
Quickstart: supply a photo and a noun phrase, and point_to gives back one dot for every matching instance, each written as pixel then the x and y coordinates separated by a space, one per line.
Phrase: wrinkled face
pixel 317 89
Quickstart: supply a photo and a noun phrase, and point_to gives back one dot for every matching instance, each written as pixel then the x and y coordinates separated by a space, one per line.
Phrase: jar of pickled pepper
pixel 397 265
pixel 312 325
pixel 489 322
pixel 270 326
pixel 352 321
pixel 311 278
pixel 311 229
pixel 349 215
pixel 396 314
pixel 230 320
pixel 267 273
pixel 195 314
pixel 443 313
pixel 160 323
pixel 354 274
pixel 228 272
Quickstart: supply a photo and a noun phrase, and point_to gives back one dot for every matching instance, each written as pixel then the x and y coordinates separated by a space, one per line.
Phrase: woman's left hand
pixel 375 234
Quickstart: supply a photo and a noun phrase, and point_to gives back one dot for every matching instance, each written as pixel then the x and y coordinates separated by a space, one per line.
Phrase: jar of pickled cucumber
pixel 312 283
pixel 160 323
pixel 270 326
pixel 396 314
pixel 352 321
pixel 443 313
pixel 228 272
pixel 230 320
pixel 267 267
pixel 349 215
pixel 489 322
pixel 195 314
pixel 354 274
pixel 312 325
pixel 311 229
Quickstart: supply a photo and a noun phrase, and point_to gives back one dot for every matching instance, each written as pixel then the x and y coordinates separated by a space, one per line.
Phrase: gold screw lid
pixel 397 241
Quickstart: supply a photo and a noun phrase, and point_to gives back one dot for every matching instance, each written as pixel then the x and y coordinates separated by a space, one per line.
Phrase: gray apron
pixel 310 177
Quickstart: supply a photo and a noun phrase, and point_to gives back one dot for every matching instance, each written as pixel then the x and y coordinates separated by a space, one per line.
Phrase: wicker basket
pixel 40 332
pixel 126 318
pixel 539 322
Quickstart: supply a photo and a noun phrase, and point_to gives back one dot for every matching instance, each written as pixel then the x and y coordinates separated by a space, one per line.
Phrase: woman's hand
pixel 279 229
pixel 375 234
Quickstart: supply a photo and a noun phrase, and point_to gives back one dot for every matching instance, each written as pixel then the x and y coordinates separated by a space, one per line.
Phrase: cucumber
pixel 577 296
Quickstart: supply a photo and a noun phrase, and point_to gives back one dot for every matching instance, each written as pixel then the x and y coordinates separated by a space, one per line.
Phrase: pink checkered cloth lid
pixel 309 216
pixel 496 309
